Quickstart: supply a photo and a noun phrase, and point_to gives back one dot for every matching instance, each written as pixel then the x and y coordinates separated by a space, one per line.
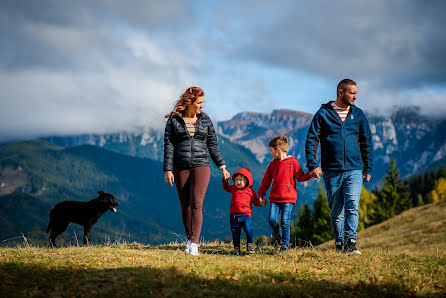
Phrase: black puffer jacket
pixel 183 151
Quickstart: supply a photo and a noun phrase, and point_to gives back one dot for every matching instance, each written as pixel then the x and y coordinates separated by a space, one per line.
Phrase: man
pixel 346 158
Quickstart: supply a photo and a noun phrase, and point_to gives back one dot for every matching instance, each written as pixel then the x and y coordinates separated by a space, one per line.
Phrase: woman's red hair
pixel 186 99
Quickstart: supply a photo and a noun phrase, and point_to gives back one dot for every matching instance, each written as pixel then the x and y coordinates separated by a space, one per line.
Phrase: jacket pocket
pixel 283 191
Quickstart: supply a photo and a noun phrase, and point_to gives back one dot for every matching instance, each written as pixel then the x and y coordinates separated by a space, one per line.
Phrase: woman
pixel 189 141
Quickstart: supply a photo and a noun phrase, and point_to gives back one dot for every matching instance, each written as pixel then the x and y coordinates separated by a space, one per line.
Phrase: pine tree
pixel 393 198
pixel 303 229
pixel 321 218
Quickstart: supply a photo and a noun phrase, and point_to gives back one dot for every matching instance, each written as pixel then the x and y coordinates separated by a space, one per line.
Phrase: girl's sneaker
pixel 237 252
pixel 187 250
pixel 194 249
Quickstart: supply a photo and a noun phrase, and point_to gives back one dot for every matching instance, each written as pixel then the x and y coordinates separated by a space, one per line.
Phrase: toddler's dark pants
pixel 239 221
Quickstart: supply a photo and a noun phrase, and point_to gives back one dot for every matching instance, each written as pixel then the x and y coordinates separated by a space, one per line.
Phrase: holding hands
pixel 262 202
pixel 316 173
pixel 226 174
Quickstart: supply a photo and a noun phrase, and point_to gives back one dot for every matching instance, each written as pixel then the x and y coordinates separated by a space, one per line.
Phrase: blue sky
pixel 98 66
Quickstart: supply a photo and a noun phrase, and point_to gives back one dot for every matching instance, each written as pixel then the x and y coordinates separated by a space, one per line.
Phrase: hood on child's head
pixel 245 172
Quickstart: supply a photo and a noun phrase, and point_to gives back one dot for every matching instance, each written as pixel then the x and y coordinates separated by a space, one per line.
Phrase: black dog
pixel 85 214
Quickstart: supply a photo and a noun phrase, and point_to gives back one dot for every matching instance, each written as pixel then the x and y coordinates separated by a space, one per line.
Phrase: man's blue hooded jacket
pixel 345 146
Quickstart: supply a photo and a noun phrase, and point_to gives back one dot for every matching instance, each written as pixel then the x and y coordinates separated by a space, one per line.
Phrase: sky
pixel 101 66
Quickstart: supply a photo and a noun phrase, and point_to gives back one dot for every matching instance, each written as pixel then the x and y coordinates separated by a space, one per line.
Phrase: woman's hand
pixel 225 173
pixel 168 178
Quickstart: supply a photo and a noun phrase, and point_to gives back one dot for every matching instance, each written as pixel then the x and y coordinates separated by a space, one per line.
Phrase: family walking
pixel 345 139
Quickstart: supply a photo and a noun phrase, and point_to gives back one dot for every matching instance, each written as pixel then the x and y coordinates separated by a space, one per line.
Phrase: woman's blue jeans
pixel 343 191
pixel 282 230
pixel 239 221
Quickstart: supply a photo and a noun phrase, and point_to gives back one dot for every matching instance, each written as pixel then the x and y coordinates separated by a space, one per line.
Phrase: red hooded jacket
pixel 283 175
pixel 242 198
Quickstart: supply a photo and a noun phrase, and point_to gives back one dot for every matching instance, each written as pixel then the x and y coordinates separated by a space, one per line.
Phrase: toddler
pixel 283 172
pixel 242 198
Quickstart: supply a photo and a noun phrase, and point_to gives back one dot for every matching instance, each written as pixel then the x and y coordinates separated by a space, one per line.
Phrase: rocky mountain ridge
pixel 417 142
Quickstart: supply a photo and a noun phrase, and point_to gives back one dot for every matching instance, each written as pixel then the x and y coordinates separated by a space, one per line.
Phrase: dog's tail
pixel 50 224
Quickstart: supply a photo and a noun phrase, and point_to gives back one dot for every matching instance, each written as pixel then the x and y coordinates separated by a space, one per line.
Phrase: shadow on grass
pixel 34 280
pixel 208 249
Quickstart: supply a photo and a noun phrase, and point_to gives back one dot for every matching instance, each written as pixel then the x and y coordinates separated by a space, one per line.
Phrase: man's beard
pixel 346 102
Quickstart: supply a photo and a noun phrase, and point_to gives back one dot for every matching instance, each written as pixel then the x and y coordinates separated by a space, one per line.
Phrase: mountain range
pixel 417 142
pixel 34 175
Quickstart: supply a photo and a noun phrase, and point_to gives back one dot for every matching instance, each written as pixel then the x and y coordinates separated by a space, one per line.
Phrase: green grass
pixel 137 270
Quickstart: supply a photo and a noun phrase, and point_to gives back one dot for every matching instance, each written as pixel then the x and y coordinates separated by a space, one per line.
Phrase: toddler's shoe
pixel 283 248
pixel 194 249
pixel 187 250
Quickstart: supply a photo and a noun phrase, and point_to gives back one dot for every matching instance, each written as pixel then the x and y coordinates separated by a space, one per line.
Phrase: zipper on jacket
pixel 289 188
pixel 343 138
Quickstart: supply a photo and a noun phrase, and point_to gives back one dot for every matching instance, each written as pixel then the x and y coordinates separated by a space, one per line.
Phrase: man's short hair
pixel 344 84
pixel 279 142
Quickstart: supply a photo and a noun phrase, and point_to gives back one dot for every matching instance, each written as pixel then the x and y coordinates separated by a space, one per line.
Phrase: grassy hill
pixel 418 229
pixel 163 271
pixel 392 264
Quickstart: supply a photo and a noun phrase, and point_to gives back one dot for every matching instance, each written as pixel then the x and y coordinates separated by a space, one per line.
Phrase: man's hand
pixel 262 201
pixel 168 178
pixel 366 177
pixel 316 173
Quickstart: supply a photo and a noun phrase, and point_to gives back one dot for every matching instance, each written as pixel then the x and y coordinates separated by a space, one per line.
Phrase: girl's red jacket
pixel 242 198
pixel 283 175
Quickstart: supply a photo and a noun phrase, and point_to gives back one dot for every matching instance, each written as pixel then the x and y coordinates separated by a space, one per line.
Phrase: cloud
pixel 70 69
pixel 395 43
pixel 107 65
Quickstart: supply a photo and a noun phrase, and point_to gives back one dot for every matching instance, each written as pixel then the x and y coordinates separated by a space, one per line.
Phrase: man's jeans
pixel 239 221
pixel 343 191
pixel 282 231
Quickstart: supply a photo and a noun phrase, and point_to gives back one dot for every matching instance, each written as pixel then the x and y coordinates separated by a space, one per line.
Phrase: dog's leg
pixel 87 234
pixel 58 228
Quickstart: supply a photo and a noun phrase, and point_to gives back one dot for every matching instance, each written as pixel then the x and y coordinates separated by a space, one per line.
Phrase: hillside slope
pixel 165 271
pixel 418 229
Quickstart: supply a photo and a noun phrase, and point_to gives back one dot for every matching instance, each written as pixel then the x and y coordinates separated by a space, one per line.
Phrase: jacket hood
pixel 286 158
pixel 245 172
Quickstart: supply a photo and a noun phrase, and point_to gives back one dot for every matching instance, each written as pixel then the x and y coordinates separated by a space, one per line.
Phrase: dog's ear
pixel 100 192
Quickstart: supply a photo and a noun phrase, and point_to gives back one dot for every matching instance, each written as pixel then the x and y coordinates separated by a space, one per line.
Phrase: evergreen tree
pixel 303 229
pixel 393 198
pixel 322 230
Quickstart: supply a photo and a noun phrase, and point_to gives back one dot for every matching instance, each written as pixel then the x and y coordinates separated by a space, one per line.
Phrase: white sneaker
pixel 187 250
pixel 194 249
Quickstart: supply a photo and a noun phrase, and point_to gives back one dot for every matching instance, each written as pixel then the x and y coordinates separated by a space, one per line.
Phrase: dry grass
pixel 137 270
pixel 418 229
pixel 404 256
